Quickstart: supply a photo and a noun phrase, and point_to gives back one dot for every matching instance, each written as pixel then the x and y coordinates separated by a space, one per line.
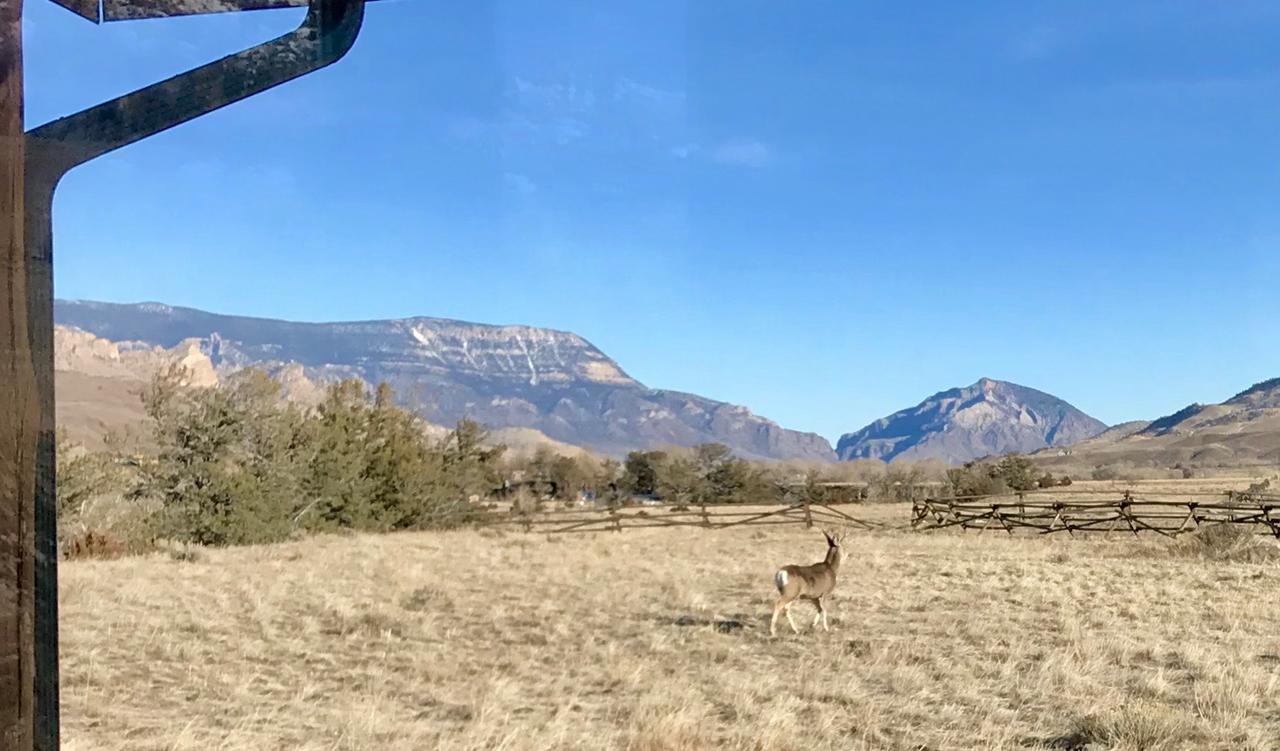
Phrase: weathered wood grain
pixel 19 411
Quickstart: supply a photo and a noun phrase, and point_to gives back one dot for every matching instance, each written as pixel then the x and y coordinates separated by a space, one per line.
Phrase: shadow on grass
pixel 736 623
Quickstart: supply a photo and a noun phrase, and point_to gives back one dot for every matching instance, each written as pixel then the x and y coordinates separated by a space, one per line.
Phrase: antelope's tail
pixel 780 580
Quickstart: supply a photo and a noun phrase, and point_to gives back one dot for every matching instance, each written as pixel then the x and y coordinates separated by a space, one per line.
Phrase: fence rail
pixel 648 516
pixel 1071 512
pixel 1166 515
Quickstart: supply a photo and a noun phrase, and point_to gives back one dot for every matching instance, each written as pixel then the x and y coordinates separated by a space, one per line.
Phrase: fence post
pixel 1266 515
pixel 808 517
pixel 706 520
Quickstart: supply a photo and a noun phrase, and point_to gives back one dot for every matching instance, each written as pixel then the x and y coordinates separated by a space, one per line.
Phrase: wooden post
pixel 24 448
pixel 38 233
pixel 706 520
pixel 1191 513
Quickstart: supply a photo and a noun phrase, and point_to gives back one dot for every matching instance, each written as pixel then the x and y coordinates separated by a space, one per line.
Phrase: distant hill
pixel 961 424
pixel 1244 429
pixel 553 382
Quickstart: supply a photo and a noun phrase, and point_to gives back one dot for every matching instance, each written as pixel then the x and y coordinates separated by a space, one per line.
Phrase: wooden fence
pixel 1167 514
pixel 647 516
pixel 1058 511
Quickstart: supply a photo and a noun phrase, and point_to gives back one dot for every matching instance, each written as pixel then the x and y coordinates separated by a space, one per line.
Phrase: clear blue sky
pixel 824 211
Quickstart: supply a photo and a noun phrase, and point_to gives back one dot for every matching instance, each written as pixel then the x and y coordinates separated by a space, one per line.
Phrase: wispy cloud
pixel 630 90
pixel 552 98
pixel 734 152
pixel 743 152
pixel 560 131
pixel 622 112
pixel 548 111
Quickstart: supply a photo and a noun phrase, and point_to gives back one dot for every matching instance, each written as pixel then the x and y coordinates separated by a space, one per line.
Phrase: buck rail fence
pixel 653 515
pixel 1165 514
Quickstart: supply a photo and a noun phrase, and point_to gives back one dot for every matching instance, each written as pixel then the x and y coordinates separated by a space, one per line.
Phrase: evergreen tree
pixel 337 487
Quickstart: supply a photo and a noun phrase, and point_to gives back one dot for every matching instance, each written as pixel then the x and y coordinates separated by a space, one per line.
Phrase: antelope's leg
pixel 793 623
pixel 773 623
pixel 817 602
pixel 822 611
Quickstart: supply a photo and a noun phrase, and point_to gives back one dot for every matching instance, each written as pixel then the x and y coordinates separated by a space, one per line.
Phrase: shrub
pixel 236 465
pixel 1143 726
pixel 976 479
pixel 1235 543
pixel 1018 472
pixel 83 475
pixel 1105 473
pixel 640 472
pixel 707 473
pixel 91 544
pixel 897 483
pixel 93 506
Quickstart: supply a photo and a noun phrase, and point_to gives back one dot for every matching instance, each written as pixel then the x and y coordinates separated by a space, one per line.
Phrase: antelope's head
pixel 834 552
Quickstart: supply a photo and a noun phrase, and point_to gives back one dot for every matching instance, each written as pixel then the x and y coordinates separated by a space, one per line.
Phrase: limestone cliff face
pixel 82 352
pixel 504 376
pixel 988 418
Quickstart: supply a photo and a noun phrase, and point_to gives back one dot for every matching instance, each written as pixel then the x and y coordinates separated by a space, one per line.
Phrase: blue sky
pixel 824 211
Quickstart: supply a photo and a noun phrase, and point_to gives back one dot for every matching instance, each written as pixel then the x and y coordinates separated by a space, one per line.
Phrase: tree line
pixel 237 463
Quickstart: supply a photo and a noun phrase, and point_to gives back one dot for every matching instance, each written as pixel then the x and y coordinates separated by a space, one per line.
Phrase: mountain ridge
pixel 506 376
pixel 1242 430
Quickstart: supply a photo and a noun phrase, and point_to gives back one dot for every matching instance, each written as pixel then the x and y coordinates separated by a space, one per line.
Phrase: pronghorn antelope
pixel 810 583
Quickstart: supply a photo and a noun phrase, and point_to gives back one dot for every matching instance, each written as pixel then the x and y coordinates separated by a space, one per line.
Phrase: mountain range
pixel 553 382
pixel 536 386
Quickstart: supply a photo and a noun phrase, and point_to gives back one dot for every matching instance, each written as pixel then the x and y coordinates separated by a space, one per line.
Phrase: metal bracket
pixel 325 35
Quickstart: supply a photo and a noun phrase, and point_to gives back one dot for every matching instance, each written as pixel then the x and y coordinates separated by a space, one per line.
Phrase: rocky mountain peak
pixel 965 423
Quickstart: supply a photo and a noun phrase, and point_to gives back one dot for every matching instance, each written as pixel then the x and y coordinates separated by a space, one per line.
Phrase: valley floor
pixel 487 640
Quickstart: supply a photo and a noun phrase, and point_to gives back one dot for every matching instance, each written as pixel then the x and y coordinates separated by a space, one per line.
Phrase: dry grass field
pixel 658 639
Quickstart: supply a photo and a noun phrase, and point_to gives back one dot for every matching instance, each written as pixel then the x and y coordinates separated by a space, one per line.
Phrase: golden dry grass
pixel 1237 480
pixel 479 640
